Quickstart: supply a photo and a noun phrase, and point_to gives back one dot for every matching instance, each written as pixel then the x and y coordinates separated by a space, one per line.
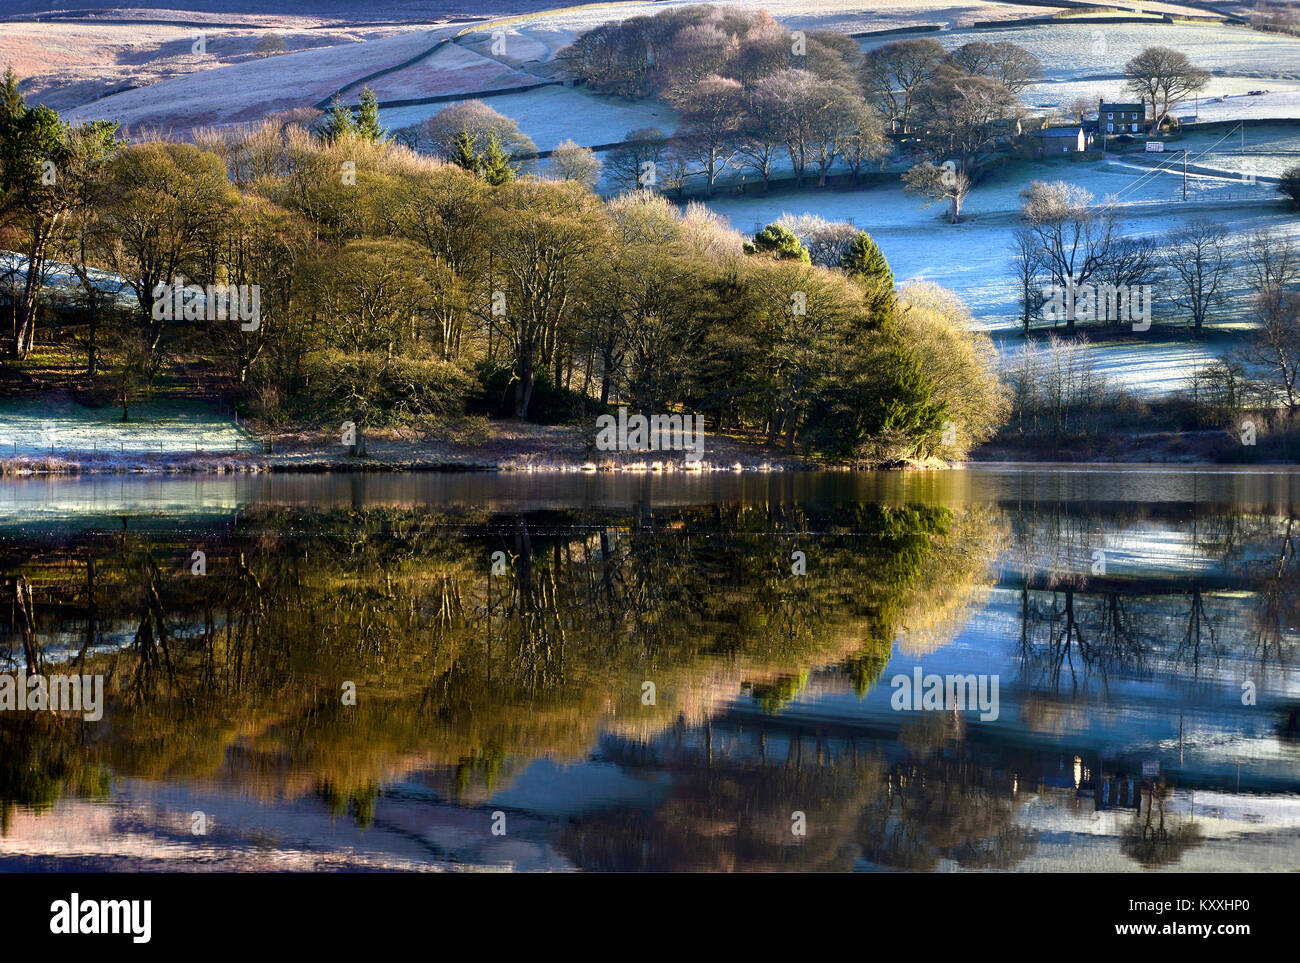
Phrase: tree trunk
pixel 92 343
pixel 524 389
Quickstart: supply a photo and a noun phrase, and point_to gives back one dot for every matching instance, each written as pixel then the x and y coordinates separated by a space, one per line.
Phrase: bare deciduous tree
pixel 570 162
pixel 1027 261
pixel 1163 76
pixel 936 182
pixel 1197 264
pixel 711 113
pixel 1274 346
pixel 1075 238
pixel 893 73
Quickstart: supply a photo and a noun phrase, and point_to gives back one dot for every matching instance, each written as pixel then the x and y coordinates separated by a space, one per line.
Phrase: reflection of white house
pixel 1063 140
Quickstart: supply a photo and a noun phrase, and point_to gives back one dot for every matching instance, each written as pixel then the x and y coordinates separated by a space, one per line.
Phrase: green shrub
pixel 383 390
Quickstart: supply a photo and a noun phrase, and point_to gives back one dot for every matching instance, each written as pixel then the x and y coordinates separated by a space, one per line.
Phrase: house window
pixel 1135 127
pixel 1110 116
pixel 1110 128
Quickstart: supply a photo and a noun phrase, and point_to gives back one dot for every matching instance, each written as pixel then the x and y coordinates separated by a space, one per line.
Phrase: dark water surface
pixel 645 682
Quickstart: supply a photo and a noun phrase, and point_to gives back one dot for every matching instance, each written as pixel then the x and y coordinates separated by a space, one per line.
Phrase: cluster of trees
pixel 752 94
pixel 394 286
pixel 1067 241
pixel 1194 276
pixel 668 53
pixel 341 121
pixel 1278 15
pixel 917 85
pixel 1056 389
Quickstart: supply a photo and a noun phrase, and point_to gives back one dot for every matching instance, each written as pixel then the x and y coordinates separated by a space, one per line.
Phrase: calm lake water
pixel 572 672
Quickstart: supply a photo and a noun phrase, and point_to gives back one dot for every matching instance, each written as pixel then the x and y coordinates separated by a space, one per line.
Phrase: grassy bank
pixel 1175 430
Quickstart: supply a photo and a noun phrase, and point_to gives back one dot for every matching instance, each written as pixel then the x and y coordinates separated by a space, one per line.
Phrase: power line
pixel 1164 164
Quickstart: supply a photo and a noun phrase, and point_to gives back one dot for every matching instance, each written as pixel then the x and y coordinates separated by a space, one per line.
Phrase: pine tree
pixel 782 243
pixel 11 98
pixel 906 407
pixel 463 154
pixel 367 122
pixel 339 122
pixel 495 164
pixel 866 264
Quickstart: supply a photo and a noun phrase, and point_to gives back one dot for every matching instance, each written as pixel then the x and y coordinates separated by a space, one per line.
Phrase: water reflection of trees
pixel 733 812
pixel 236 674
pixel 1228 594
pixel 465 675
pixel 1156 836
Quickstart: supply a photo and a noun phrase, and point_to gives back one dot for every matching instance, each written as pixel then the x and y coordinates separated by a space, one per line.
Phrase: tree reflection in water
pixel 466 674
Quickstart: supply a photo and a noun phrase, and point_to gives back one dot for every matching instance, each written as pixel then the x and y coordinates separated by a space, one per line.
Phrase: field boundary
pixel 325 102
pixel 471 95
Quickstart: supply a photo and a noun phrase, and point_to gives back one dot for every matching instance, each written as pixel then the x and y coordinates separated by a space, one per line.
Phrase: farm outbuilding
pixel 1063 140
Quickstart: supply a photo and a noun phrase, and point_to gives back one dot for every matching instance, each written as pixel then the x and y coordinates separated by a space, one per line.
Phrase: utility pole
pixel 1184 173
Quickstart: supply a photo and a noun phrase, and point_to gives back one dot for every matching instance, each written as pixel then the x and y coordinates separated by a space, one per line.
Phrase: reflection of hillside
pixel 734 811
pixel 236 676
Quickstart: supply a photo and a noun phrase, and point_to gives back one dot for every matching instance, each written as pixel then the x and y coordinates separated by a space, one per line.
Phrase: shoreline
pixel 511 446
pixel 23 468
pixel 471 445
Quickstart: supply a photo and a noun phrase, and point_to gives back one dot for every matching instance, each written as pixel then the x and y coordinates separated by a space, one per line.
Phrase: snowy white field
pixel 43 427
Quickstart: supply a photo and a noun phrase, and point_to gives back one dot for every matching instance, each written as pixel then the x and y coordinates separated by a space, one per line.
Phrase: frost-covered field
pixel 1077 51
pixel 1264 150
pixel 553 31
pixel 973 258
pixel 64 64
pixel 1223 99
pixel 248 91
pixel 551 114
pixel 45 427
pixel 451 69
pixel 1229 106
